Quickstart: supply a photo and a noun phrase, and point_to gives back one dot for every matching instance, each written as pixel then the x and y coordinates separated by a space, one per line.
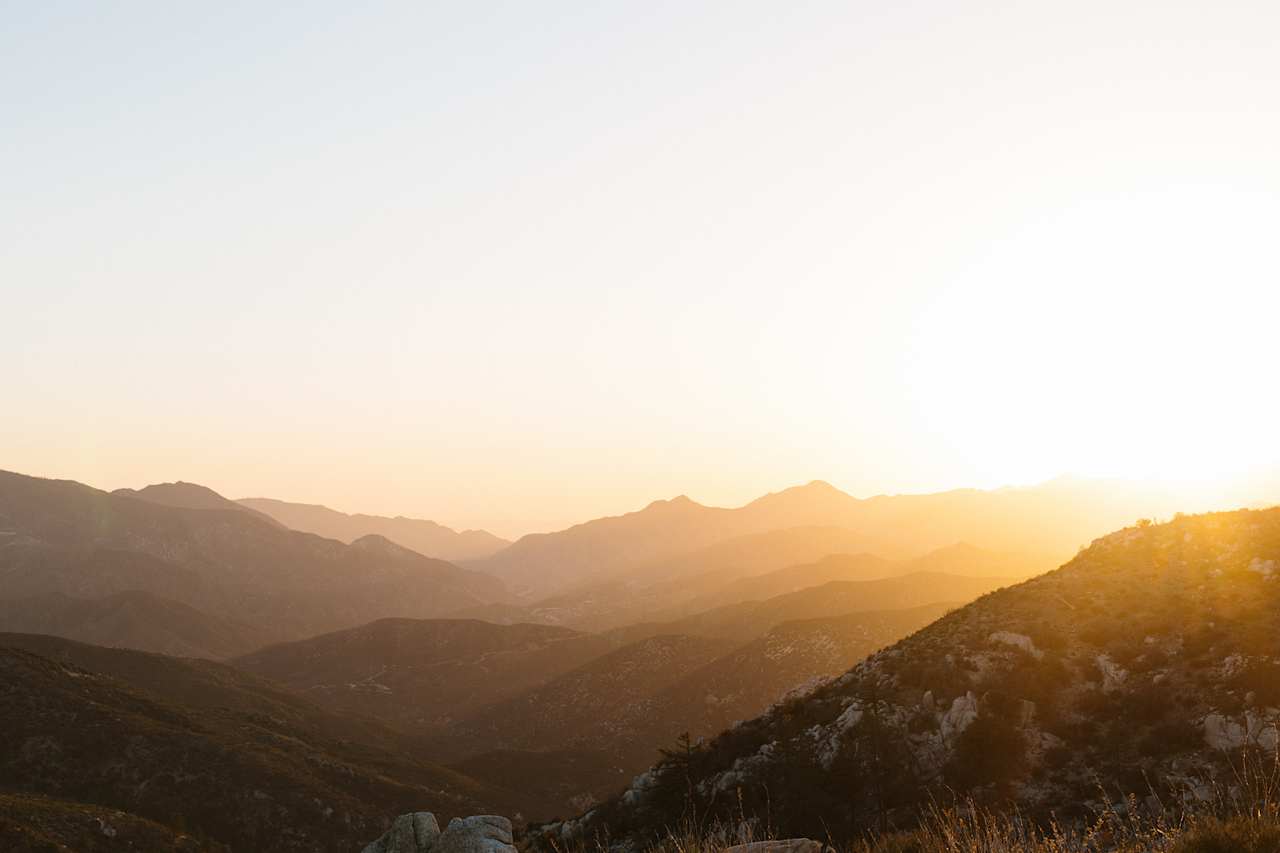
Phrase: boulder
pixel 963 711
pixel 1021 641
pixel 1225 733
pixel 476 834
pixel 409 833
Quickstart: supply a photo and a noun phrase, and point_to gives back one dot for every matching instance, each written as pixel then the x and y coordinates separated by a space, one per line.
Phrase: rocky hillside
pixel 792 657
pixel 204 749
pixel 1145 663
pixel 132 620
pixel 425 537
pixel 64 537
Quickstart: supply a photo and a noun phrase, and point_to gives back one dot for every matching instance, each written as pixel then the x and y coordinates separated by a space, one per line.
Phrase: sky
pixel 517 265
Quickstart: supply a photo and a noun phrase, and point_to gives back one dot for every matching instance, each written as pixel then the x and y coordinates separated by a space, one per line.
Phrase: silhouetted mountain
pixel 132 620
pixel 425 537
pixel 199 745
pixel 734 575
pixel 423 674
pixel 64 537
pixel 750 619
pixel 1053 519
pixel 957 560
pixel 187 496
pixel 1140 667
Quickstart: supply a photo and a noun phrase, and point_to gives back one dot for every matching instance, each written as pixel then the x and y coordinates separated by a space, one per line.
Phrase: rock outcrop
pixel 419 832
pixel 409 833
pixel 785 845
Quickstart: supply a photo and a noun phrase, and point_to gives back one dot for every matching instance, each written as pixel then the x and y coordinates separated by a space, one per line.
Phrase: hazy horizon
pixel 513 267
pixel 1190 496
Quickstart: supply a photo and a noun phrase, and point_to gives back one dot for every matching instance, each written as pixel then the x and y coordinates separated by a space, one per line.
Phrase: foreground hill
pixel 425 537
pixel 423 674
pixel 1053 519
pixel 1145 663
pixel 132 620
pixel 31 824
pixel 63 537
pixel 201 747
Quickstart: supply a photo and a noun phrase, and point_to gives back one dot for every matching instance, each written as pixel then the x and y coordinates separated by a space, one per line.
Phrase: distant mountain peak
pixel 379 544
pixel 678 502
pixel 184 495
pixel 814 492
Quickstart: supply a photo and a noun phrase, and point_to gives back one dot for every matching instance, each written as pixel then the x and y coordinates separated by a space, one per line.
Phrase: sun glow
pixel 1119 337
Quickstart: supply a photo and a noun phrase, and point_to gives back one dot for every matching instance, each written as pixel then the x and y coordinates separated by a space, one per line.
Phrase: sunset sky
pixel 518 265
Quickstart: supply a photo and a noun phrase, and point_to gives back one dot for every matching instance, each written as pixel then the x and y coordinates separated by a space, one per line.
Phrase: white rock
pixel 787 845
pixel 963 711
pixel 1266 568
pixel 484 833
pixel 1222 732
pixel 409 833
pixel 1113 674
pixel 1022 641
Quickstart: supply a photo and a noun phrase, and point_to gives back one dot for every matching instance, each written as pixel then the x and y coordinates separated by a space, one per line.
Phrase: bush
pixel 1237 835
pixel 991 751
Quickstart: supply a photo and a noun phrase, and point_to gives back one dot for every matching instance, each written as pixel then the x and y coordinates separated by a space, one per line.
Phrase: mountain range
pixel 62 537
pixel 425 537
pixel 1048 522
pixel 364 678
pixel 1143 667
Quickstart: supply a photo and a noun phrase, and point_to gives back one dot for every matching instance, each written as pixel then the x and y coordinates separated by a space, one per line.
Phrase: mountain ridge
pixel 424 536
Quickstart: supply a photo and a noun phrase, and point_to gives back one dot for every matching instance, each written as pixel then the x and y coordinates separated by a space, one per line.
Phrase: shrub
pixel 991 751
pixel 1237 835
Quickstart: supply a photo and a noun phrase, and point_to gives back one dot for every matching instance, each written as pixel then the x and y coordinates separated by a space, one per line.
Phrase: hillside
pixel 132 620
pixel 959 559
pixel 1052 519
pixel 750 619
pixel 65 537
pixel 791 657
pixel 747 568
pixel 200 747
pixel 422 674
pixel 1143 664
pixel 31 824
pixel 584 709
pixel 630 704
pixel 425 537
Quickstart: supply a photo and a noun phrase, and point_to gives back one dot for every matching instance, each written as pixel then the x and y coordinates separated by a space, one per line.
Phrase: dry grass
pixel 1242 816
